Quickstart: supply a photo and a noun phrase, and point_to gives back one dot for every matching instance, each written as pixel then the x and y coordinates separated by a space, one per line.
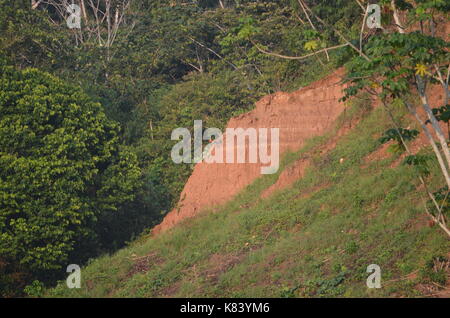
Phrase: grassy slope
pixel 314 239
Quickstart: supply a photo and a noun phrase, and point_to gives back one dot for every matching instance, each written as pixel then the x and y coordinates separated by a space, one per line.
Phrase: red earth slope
pixel 305 113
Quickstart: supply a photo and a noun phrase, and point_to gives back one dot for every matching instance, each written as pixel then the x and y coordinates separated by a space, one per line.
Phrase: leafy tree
pixel 61 170
pixel 399 63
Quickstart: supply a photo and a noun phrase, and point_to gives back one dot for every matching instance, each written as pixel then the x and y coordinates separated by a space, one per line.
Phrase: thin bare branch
pixel 211 50
pixel 336 31
pixel 398 23
pixel 362 31
pixel 313 26
pixel 35 4
pixel 298 57
pixel 362 7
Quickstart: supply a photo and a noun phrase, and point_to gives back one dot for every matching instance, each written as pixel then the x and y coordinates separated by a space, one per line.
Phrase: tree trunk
pixel 397 18
pixel 432 143
pixel 421 178
pixel 35 4
pixel 83 10
pixel 433 120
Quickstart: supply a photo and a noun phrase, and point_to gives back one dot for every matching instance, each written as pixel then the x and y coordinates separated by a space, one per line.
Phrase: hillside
pixel 353 206
pixel 215 148
pixel 305 113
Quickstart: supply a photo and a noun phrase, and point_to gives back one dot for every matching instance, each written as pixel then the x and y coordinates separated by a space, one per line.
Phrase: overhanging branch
pixel 298 57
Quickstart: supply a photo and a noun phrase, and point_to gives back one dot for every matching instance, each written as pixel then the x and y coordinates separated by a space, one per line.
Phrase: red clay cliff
pixel 305 113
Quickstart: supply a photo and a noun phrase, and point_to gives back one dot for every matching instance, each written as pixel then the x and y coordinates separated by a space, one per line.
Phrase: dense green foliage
pixel 86 115
pixel 61 170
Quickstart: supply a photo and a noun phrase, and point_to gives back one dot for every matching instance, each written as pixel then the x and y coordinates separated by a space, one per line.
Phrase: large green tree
pixel 61 170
